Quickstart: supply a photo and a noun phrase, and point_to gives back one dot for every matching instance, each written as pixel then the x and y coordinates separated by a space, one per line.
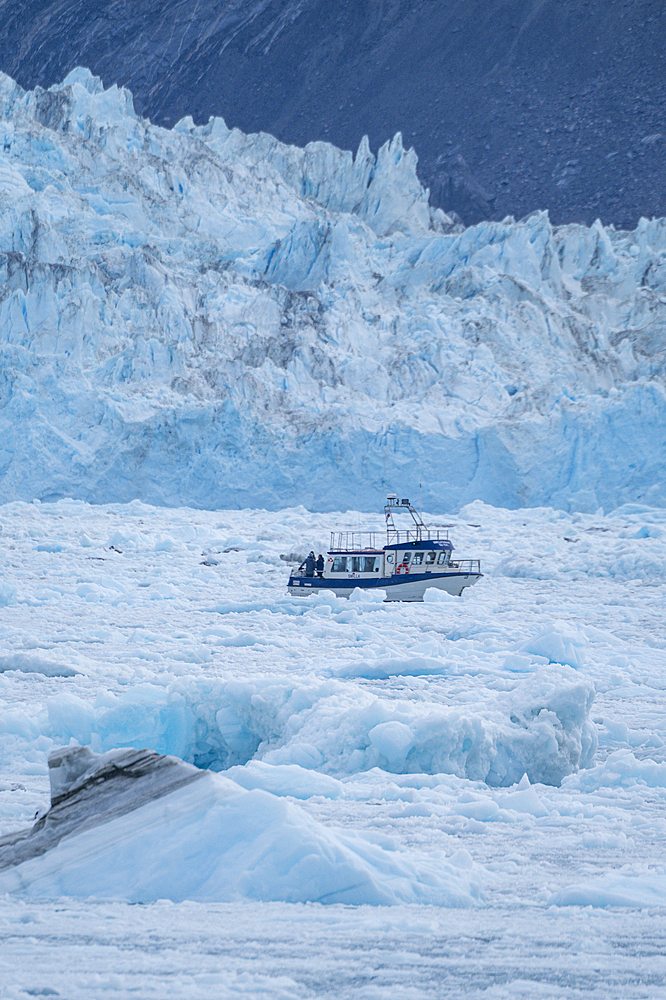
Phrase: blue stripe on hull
pixel 381 584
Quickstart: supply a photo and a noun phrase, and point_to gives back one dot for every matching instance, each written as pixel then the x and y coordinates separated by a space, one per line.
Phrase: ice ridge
pixel 541 727
pixel 198 316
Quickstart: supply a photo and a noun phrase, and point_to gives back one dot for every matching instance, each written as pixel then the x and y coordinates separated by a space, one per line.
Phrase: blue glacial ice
pixel 198 316
pixel 539 726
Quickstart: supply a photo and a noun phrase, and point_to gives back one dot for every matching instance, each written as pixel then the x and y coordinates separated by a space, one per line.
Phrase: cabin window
pixel 443 556
pixel 430 558
pixel 389 558
pixel 418 559
pixel 406 556
pixel 355 564
pixel 369 564
pixel 339 564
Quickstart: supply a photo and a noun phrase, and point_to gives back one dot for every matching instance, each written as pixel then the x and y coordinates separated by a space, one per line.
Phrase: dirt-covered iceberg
pixel 141 826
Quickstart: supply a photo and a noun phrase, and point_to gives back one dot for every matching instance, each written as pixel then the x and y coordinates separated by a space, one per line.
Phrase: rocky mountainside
pixel 536 104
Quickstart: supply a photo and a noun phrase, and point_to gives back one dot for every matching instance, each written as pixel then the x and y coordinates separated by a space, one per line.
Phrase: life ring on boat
pixel 402 568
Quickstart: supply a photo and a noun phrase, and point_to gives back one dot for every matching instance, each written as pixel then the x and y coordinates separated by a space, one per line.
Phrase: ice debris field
pixel 459 797
pixel 202 317
pixel 209 788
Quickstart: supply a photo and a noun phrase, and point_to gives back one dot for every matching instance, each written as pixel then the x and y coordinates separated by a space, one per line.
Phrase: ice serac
pixel 141 826
pixel 203 317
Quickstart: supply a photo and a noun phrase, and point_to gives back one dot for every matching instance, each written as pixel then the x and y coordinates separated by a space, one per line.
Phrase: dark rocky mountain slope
pixel 554 104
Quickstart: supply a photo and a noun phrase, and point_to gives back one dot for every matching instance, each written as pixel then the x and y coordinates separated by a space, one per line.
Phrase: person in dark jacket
pixel 320 565
pixel 310 564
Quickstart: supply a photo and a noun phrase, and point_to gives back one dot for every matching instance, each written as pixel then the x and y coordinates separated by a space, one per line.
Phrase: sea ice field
pixel 463 797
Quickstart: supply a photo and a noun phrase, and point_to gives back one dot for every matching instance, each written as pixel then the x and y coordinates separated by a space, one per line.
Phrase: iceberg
pixel 141 826
pixel 201 317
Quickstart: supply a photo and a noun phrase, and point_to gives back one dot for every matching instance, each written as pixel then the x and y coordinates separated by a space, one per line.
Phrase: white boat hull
pixel 396 588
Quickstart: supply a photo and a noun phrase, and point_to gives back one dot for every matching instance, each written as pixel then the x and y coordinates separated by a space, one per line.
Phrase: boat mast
pixel 394 505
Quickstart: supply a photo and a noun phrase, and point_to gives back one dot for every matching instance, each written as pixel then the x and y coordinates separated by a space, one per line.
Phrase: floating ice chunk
pixel 615 889
pixel 89 789
pixel 559 643
pixel 518 663
pixel 18 722
pixel 49 547
pixel 435 596
pixel 302 753
pixel 69 713
pixel 648 531
pixel 395 666
pixel 29 664
pixel 162 591
pixel 286 779
pixel 558 736
pixel 618 731
pixel 121 540
pixel 367 596
pixel 166 544
pixel 480 808
pixel 621 769
pixel 523 800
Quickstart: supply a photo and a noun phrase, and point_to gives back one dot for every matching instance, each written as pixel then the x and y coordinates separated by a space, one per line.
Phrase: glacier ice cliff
pixel 198 316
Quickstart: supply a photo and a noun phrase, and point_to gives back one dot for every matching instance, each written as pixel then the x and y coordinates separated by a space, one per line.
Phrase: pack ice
pixel 205 317
pixel 140 826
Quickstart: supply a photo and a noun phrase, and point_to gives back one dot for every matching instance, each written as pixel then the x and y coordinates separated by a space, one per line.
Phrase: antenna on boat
pixel 420 493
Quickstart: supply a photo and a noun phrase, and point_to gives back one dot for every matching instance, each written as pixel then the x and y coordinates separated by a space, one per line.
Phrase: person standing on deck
pixel 310 564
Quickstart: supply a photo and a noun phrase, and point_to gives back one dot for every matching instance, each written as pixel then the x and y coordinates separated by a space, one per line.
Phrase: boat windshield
pixel 355 564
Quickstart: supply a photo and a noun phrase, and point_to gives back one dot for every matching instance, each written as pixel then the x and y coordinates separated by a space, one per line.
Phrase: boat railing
pixel 353 541
pixel 366 541
pixel 395 537
pixel 468 566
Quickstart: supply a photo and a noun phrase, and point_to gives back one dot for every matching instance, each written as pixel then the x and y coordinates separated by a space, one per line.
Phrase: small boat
pixel 412 560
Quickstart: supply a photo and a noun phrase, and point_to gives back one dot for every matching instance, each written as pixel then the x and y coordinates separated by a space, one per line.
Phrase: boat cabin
pixel 400 558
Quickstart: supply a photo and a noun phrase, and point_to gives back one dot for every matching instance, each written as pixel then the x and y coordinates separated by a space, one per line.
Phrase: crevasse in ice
pixel 203 317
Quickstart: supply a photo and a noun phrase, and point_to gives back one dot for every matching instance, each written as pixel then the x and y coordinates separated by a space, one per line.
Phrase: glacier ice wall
pixel 203 317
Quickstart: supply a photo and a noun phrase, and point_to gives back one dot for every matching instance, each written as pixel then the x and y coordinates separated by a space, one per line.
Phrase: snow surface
pixel 203 317
pixel 505 749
